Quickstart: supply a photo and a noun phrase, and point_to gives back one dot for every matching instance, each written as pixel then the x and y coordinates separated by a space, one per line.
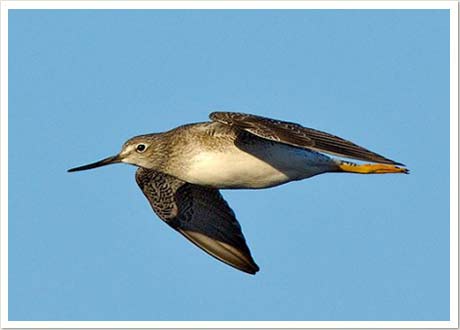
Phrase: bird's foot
pixel 371 168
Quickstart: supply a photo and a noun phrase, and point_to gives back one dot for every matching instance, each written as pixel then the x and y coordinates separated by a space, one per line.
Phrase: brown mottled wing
pixel 297 135
pixel 200 214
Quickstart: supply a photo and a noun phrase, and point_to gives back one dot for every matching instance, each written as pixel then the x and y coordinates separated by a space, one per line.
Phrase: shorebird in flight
pixel 181 171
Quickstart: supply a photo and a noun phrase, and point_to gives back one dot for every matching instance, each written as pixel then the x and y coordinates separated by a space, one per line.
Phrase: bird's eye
pixel 140 147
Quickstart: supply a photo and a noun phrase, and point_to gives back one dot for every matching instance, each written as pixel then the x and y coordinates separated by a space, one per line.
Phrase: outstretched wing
pixel 200 214
pixel 297 135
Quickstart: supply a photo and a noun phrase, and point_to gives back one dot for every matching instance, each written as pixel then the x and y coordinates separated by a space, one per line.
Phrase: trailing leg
pixel 370 168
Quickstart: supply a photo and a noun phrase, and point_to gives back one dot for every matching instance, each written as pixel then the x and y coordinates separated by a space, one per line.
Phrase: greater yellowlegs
pixel 181 171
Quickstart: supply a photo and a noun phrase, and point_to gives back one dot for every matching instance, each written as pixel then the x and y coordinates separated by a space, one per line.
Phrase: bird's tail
pixel 370 168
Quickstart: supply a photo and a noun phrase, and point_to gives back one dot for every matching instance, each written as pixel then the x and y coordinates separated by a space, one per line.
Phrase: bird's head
pixel 139 151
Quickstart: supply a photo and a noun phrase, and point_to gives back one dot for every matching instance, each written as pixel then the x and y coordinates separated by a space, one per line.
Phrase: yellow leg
pixel 371 168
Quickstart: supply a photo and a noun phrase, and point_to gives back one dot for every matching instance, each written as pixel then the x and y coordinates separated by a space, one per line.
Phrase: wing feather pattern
pixel 298 136
pixel 200 214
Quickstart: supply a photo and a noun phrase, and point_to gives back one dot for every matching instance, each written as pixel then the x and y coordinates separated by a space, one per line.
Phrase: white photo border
pixel 452 6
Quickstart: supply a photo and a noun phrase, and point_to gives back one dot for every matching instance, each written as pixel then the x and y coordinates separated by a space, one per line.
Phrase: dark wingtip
pixel 403 167
pixel 252 269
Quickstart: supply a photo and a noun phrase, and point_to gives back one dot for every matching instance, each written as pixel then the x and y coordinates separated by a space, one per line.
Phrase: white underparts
pixel 270 167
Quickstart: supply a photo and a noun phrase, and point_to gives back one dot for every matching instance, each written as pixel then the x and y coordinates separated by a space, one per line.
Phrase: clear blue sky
pixel 86 246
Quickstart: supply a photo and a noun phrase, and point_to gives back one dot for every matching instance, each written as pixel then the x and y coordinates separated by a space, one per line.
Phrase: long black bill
pixel 106 161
